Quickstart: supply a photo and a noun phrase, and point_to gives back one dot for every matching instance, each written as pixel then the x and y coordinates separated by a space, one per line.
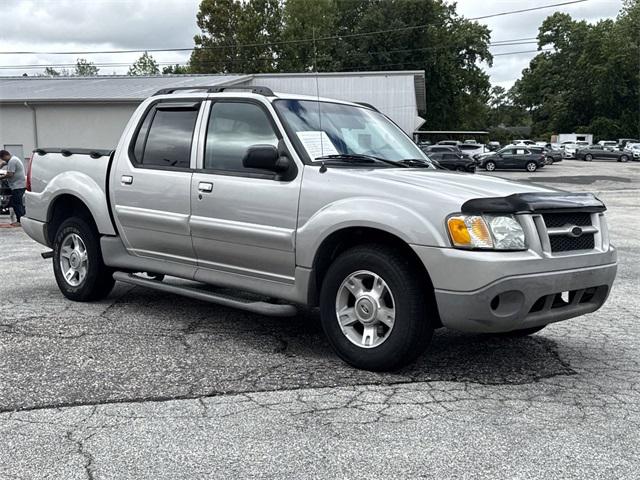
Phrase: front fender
pixel 76 184
pixel 371 212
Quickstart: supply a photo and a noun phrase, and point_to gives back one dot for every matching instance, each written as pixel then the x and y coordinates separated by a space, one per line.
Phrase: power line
pixel 504 43
pixel 285 42
pixel 224 63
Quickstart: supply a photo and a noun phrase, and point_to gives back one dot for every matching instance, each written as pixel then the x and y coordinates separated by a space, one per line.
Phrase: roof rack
pixel 267 92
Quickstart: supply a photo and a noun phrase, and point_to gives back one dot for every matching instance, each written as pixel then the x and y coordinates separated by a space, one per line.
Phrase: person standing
pixel 17 181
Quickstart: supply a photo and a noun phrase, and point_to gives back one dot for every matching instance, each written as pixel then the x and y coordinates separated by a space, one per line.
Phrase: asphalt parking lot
pixel 149 385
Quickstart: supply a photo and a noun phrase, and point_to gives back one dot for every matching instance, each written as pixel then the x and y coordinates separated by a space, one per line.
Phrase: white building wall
pixel 82 125
pixel 16 127
pixel 64 125
pixel 393 94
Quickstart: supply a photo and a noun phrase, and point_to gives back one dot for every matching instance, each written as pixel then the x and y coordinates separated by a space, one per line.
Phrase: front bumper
pixel 527 301
pixel 490 291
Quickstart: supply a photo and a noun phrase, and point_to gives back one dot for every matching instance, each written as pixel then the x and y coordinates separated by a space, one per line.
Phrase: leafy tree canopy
pixel 589 81
pixel 145 65
pixel 85 68
pixel 257 36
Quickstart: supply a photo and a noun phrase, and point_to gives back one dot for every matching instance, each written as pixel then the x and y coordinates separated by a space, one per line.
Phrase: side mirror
pixel 265 157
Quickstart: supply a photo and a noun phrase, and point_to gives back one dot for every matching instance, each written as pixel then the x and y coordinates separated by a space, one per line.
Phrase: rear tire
pixel 549 160
pixel 588 157
pixel 624 158
pixel 490 166
pixel 76 253
pixel 531 166
pixel 403 303
pixel 520 333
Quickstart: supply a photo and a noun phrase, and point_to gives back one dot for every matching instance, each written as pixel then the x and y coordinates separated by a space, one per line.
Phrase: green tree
pixel 175 70
pixel 255 36
pixel 589 78
pixel 216 50
pixel 145 65
pixel 51 72
pixel 85 68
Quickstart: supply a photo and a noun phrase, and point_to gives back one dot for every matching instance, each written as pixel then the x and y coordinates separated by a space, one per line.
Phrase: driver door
pixel 243 221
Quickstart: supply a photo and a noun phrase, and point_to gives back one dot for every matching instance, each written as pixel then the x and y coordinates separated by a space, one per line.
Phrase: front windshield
pixel 324 128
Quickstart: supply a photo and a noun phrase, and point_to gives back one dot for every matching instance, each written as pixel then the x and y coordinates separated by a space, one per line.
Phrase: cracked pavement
pixel 149 385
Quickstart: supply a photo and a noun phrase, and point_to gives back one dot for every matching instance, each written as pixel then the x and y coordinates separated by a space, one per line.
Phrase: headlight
pixel 489 232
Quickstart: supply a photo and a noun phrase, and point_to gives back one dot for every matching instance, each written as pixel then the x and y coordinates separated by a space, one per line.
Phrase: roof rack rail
pixel 267 92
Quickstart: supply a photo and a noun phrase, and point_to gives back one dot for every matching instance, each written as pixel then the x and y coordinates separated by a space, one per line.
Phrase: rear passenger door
pixel 151 187
pixel 243 220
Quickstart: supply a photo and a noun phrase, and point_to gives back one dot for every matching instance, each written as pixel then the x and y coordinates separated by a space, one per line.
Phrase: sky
pixel 80 25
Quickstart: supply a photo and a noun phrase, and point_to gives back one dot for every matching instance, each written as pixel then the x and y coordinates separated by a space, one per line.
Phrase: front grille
pixel 556 220
pixel 562 243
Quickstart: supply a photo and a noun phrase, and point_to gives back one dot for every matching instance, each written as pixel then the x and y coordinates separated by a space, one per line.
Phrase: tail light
pixel 30 165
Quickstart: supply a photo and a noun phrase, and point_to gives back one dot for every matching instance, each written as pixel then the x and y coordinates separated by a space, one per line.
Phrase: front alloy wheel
pixel 376 308
pixel 365 309
pixel 490 166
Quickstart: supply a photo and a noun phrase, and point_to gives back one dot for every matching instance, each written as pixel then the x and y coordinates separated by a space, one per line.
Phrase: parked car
pixel 523 142
pixel 599 152
pixel 635 149
pixel 472 149
pixel 513 159
pixel 453 143
pixel 493 146
pixel 453 161
pixel 569 150
pixel 622 142
pixel 285 197
pixel 446 148
pixel 550 156
pixel 608 144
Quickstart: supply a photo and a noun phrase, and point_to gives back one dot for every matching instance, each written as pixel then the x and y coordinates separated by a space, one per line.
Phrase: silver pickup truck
pixel 287 199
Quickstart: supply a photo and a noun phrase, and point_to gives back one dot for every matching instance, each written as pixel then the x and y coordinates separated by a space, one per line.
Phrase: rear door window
pixel 165 137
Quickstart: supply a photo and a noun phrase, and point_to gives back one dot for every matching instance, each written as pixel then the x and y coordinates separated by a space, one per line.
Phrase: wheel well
pixel 342 240
pixel 64 207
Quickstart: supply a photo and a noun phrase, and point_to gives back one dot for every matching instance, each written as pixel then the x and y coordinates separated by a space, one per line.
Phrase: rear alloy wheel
pixel 624 158
pixel 490 166
pixel 588 157
pixel 374 310
pixel 80 272
pixel 549 160
pixel 531 166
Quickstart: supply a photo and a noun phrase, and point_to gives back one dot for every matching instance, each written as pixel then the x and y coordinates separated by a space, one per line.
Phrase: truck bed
pixel 58 171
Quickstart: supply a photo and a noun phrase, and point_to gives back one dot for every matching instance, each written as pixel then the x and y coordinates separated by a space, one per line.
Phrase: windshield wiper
pixel 416 162
pixel 360 158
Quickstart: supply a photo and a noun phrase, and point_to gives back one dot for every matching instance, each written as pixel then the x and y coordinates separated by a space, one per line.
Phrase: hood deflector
pixel 535 203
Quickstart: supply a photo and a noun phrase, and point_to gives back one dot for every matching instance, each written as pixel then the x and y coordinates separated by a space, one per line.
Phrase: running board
pixel 263 308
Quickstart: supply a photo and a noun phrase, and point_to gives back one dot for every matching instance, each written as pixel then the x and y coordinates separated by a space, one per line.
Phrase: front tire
pixel 531 166
pixel 549 160
pixel 374 308
pixel 588 157
pixel 80 272
pixel 624 158
pixel 490 166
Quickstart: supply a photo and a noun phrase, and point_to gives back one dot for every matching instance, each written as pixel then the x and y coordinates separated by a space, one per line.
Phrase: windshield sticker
pixel 317 144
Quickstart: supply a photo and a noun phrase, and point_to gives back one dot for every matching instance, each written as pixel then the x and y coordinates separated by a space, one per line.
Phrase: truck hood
pixel 455 188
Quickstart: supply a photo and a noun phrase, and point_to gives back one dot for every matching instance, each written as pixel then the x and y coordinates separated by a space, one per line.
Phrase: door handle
pixel 205 187
pixel 126 180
